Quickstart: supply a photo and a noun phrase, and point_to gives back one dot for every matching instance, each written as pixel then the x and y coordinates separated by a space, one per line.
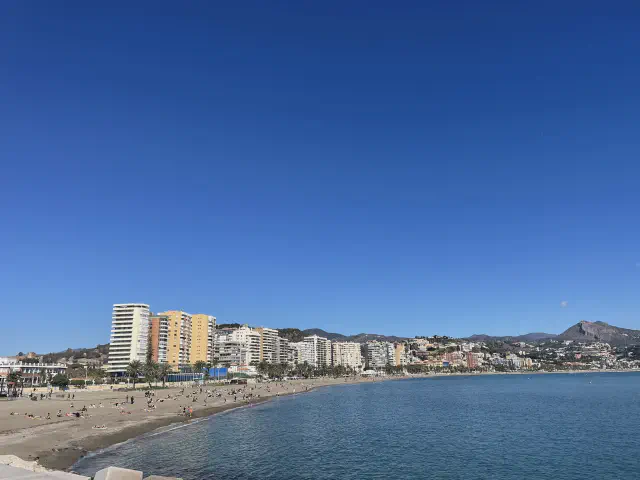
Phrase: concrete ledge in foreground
pixel 18 473
pixel 116 473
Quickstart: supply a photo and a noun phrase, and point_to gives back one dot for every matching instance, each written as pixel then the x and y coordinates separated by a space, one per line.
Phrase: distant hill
pixel 580 332
pixel 337 337
pixel 297 335
pixel 527 337
pixel 367 337
pixel 228 325
pixel 95 352
pixel 600 332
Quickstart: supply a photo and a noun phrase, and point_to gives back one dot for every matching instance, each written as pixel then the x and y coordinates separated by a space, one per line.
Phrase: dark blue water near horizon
pixel 572 426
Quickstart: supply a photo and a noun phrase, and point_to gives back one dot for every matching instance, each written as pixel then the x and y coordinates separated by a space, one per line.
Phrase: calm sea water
pixel 500 427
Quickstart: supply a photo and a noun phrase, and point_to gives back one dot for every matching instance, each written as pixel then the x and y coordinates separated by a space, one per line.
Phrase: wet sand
pixel 59 442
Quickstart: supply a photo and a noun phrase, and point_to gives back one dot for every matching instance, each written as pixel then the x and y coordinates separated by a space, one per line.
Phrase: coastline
pixel 58 447
pixel 33 442
pixel 64 459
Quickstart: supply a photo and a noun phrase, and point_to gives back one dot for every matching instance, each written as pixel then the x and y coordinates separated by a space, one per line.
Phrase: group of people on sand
pixel 196 396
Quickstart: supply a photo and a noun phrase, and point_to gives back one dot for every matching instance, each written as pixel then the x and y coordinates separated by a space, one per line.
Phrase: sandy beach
pixel 58 442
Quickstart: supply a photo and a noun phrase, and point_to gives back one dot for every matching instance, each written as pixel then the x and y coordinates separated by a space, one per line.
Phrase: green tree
pixel 198 366
pixel 134 370
pixel 263 368
pixel 150 371
pixel 164 369
pixel 60 380
pixel 17 380
pixel 149 354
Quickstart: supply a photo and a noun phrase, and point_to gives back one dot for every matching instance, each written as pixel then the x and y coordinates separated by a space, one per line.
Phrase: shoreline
pixel 65 459
pixel 35 442
pixel 73 449
pixel 107 441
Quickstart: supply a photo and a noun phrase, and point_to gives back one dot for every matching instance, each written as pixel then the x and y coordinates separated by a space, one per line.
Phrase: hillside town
pixel 183 343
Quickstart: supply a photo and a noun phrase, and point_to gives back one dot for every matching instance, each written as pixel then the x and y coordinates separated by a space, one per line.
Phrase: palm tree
pixel 164 369
pixel 134 370
pixel 150 371
pixel 198 367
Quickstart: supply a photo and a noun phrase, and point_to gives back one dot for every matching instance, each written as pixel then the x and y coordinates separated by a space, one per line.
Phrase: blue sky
pixel 353 166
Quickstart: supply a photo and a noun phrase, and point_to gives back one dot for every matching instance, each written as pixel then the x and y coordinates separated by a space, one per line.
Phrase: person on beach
pixel 48 416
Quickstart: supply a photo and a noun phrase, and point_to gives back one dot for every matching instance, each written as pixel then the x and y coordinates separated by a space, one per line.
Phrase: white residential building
pixel 320 352
pixel 250 339
pixel 514 361
pixel 230 352
pixel 379 354
pixel 302 352
pixel 346 354
pixel 32 373
pixel 129 335
pixel 283 351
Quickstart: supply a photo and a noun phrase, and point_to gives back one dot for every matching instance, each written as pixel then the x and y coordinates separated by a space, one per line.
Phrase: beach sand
pixel 59 442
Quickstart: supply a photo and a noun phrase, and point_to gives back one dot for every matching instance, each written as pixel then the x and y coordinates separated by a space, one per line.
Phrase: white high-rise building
pixel 302 352
pixel 346 354
pixel 129 335
pixel 229 352
pixel 283 351
pixel 320 350
pixel 379 354
pixel 250 339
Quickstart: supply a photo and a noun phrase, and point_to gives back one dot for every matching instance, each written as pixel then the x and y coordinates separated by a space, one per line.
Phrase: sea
pixel 542 426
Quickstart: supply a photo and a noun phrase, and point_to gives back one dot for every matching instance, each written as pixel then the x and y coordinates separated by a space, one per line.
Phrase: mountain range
pixel 580 332
pixel 527 337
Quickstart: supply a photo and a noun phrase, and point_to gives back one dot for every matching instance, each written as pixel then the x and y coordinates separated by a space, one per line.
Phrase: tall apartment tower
pixel 283 352
pixel 178 338
pixel 159 327
pixel 321 350
pixel 203 328
pixel 346 354
pixel 250 339
pixel 129 335
pixel 268 344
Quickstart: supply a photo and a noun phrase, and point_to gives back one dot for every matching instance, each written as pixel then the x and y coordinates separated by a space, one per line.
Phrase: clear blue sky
pixel 410 168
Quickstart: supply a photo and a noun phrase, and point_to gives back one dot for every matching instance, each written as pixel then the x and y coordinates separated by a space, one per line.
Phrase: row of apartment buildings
pixel 179 338
pixel 175 337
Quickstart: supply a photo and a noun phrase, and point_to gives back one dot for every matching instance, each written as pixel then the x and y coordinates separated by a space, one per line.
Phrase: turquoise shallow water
pixel 498 427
